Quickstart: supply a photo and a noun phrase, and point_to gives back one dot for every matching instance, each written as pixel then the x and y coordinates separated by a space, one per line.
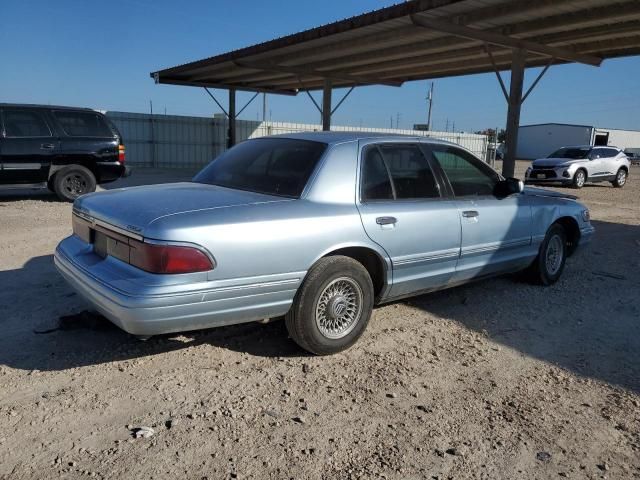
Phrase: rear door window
pixel 82 124
pixel 610 152
pixel 24 123
pixel 398 172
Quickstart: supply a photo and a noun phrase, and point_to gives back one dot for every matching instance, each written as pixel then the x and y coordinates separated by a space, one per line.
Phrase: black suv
pixel 68 150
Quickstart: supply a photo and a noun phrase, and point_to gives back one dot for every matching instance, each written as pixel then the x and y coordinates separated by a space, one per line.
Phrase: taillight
pixel 168 258
pixel 121 153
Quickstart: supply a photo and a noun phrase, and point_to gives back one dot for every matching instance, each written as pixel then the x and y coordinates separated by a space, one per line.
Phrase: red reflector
pixel 168 258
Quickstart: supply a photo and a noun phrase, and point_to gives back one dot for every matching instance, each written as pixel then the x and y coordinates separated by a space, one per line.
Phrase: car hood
pixel 135 208
pixel 554 162
pixel 543 192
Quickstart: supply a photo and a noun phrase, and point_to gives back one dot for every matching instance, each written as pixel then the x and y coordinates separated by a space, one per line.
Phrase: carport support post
pixel 231 134
pixel 513 114
pixel 326 105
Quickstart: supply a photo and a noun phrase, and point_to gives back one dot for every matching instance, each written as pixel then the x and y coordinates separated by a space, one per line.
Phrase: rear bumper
pixel 148 311
pixel 111 171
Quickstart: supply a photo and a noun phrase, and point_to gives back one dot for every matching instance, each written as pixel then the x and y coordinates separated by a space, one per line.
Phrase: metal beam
pixel 231 137
pixel 505 41
pixel 247 104
pixel 513 114
pixel 326 105
pixel 226 86
pixel 538 78
pixel 217 102
pixel 356 79
pixel 342 100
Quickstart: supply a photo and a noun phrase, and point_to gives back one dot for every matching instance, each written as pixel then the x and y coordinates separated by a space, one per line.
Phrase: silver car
pixel 578 165
pixel 316 227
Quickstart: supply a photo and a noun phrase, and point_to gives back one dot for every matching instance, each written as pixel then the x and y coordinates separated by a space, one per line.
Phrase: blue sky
pixel 99 54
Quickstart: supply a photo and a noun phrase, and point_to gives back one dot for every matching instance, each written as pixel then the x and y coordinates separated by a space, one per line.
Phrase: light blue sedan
pixel 317 227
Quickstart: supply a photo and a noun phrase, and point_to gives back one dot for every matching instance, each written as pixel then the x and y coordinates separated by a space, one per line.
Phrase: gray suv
pixel 577 165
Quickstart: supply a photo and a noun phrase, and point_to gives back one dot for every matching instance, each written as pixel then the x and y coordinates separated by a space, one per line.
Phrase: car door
pixel 595 166
pixel 496 232
pixel 405 210
pixel 28 145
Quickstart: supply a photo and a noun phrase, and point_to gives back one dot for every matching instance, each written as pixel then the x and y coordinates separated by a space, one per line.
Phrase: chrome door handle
pixel 470 214
pixel 47 146
pixel 386 220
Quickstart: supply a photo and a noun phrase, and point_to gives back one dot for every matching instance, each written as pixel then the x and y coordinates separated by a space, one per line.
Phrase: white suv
pixel 578 165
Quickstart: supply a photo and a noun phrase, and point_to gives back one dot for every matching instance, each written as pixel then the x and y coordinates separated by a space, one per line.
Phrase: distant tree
pixel 491 133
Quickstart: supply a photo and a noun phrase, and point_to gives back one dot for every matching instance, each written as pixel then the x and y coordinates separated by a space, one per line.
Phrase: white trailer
pixel 537 141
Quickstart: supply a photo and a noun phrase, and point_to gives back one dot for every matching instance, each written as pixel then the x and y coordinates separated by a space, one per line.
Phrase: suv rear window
pixel 274 166
pixel 82 124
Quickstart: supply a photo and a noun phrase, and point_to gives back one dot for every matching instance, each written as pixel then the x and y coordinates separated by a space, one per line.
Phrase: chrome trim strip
pixel 108 226
pixel 408 260
pixel 469 252
pixel 21 166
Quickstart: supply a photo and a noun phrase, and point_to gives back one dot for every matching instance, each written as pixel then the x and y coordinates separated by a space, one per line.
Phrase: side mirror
pixel 509 186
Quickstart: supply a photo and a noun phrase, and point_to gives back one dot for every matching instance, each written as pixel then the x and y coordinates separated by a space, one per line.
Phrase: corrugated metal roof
pixel 390 46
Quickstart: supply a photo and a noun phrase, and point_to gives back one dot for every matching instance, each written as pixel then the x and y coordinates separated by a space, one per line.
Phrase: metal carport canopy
pixel 425 39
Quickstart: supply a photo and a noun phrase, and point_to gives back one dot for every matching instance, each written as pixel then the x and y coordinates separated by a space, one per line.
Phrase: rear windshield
pixel 82 124
pixel 571 152
pixel 275 166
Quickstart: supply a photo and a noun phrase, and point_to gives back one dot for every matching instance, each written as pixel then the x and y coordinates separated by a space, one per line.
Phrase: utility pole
pixel 446 128
pixel 430 101
pixel 453 128
pixel 398 120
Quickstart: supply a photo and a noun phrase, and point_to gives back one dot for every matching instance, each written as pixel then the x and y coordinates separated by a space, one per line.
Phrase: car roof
pixel 343 137
pixel 50 107
pixel 591 146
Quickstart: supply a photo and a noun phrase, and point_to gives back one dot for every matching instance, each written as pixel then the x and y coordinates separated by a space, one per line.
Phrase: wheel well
pixel 572 230
pixel 586 174
pixel 624 167
pixel 369 260
pixel 88 164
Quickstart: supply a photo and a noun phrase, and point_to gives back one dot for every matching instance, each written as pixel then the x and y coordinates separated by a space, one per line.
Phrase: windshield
pixel 574 153
pixel 275 166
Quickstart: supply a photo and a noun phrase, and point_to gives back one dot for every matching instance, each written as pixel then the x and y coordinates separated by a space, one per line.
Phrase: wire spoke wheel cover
pixel 554 254
pixel 339 308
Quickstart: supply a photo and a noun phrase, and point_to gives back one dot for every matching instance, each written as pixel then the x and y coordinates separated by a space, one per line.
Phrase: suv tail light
pixel 168 258
pixel 121 153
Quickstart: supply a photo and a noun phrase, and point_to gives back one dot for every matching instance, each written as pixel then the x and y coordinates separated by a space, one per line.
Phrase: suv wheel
pixel 579 179
pixel 332 307
pixel 549 264
pixel 71 182
pixel 621 178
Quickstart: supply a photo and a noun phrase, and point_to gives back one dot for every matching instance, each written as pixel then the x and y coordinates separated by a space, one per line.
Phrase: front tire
pixel 549 264
pixel 72 181
pixel 332 307
pixel 621 178
pixel 579 179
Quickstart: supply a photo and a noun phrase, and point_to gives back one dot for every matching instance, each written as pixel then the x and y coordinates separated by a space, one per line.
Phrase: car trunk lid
pixel 134 209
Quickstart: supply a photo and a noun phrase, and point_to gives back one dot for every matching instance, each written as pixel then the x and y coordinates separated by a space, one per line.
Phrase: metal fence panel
pixel 173 141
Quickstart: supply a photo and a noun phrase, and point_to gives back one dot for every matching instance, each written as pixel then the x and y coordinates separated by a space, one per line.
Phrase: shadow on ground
pixel 588 323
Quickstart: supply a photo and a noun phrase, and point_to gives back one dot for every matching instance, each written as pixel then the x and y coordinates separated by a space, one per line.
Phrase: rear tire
pixel 621 178
pixel 72 181
pixel 549 264
pixel 332 307
pixel 579 179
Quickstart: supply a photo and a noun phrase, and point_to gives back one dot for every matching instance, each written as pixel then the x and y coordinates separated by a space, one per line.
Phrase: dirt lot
pixel 497 379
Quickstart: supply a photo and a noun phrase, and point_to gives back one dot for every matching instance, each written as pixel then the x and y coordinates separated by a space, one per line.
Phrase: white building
pixel 536 141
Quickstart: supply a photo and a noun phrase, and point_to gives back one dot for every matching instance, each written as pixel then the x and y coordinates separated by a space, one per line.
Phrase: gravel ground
pixel 497 379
